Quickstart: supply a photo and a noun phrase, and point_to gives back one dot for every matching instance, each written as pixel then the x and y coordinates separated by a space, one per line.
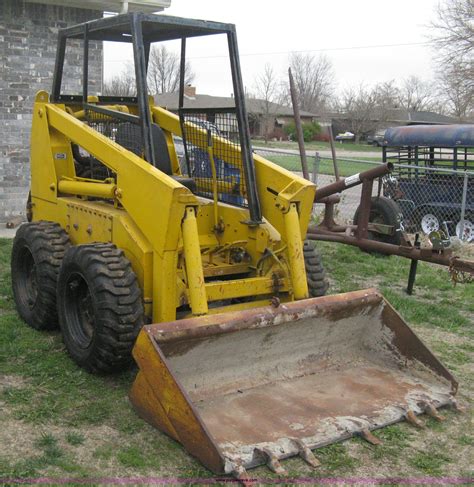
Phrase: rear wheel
pixel 38 250
pixel 315 274
pixel 100 307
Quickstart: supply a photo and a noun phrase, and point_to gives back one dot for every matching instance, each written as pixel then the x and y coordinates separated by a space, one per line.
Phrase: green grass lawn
pixel 346 168
pixel 58 421
pixel 319 145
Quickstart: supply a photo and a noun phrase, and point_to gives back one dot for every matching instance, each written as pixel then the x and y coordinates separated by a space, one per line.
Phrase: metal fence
pixel 430 199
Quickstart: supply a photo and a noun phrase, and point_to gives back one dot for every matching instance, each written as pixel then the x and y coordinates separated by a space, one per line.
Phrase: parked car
pixel 377 138
pixel 428 181
pixel 344 136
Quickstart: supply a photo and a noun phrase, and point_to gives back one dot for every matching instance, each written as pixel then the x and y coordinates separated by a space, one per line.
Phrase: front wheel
pixel 100 307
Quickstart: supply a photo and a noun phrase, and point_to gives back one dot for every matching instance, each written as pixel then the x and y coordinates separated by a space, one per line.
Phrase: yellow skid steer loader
pixel 246 362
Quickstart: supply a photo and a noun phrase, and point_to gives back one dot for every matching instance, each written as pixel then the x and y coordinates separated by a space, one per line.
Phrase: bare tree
pixel 314 79
pixel 453 40
pixel 163 71
pixel 267 94
pixel 453 31
pixel 387 95
pixel 122 84
pixel 359 106
pixel 416 94
pixel 457 90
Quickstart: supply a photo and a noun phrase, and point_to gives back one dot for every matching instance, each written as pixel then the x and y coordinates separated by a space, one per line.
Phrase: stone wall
pixel 28 34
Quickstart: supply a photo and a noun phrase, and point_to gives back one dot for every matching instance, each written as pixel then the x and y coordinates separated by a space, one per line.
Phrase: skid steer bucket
pixel 253 387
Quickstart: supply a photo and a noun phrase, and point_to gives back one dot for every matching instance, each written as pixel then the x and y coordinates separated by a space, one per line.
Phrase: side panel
pixel 88 222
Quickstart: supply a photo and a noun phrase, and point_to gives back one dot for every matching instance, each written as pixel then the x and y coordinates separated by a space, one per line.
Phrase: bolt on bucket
pixel 252 387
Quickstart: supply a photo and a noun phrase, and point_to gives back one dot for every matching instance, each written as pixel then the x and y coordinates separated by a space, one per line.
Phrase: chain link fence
pixel 430 199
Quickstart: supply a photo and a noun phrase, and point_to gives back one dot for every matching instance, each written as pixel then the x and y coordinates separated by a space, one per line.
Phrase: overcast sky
pixel 268 30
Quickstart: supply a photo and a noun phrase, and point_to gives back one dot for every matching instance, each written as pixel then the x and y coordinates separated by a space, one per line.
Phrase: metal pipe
pixel 295 253
pixel 255 209
pixel 333 153
pixel 463 207
pixel 364 208
pixel 390 249
pixel 351 181
pixel 316 164
pixel 299 129
pixel 215 195
pixel 85 188
pixel 412 276
pixel 193 263
pixel 145 119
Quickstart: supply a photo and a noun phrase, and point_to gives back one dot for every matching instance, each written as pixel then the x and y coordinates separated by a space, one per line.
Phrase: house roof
pixel 405 117
pixel 410 116
pixel 254 105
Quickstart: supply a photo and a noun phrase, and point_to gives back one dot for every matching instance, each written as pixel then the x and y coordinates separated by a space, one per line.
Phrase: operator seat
pixel 163 160
pixel 129 136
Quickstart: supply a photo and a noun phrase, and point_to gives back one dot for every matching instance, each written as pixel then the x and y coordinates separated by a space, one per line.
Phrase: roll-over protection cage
pixel 141 30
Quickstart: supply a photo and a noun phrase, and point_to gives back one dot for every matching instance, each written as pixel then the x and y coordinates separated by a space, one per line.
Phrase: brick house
pixel 27 53
pixel 272 116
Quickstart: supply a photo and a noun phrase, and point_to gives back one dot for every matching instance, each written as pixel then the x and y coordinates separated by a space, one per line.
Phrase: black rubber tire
pixel 100 307
pixel 38 249
pixel 387 212
pixel 315 274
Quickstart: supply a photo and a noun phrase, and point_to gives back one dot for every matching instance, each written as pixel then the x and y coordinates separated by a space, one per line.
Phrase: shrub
pixel 310 130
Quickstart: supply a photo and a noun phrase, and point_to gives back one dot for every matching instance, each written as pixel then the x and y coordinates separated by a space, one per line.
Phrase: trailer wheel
pixel 38 249
pixel 100 307
pixel 387 212
pixel 467 234
pixel 429 222
pixel 315 274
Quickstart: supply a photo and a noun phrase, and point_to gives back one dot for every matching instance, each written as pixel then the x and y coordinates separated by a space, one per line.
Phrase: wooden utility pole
pixel 299 129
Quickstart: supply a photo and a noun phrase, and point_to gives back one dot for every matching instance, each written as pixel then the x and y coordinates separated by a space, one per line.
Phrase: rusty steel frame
pixel 357 235
pixel 167 395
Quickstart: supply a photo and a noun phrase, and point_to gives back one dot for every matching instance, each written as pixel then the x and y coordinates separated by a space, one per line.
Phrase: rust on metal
pixel 239 472
pixel 255 387
pixel 158 397
pixel 411 418
pixel 306 454
pixel 409 252
pixel 272 461
pixel 357 235
pixel 362 230
pixel 345 183
pixel 368 436
pixel 457 407
pixel 430 410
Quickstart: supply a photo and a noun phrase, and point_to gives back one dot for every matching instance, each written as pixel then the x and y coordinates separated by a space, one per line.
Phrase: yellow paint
pixel 295 253
pixel 166 232
pixel 193 264
pixel 84 188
